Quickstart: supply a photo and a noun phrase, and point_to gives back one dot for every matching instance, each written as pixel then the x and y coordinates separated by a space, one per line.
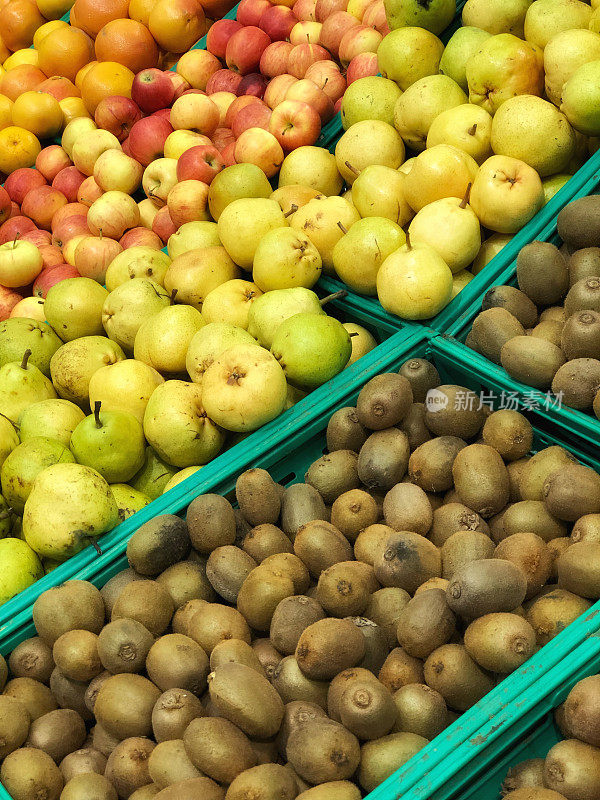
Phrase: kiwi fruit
pixel 265 781
pixel 584 263
pixel 158 544
pixel 508 432
pixel 328 646
pixel 486 586
pixel 89 787
pixel 531 360
pixel 177 662
pixel 370 542
pixel 293 685
pixel 290 618
pixel 538 468
pixel 227 568
pixel 290 565
pixel 173 712
pixel 211 522
pixel 533 516
pixel 557 547
pixel 353 511
pixel 297 712
pixel 583 296
pixel 123 646
pixel 145 793
pixel 75 653
pixel 577 382
pixel 400 669
pixel 586 529
pixel 425 623
pixel 384 401
pixel 332 790
pixel 235 650
pixel 550 330
pixel 492 329
pixel 452 672
pixel 333 474
pixel 191 790
pixel 430 465
pixel 534 793
pixel 260 594
pixel 554 314
pixel 381 758
pixel 102 740
pixel 115 585
pixel 433 583
pixel 513 300
pixel 453 517
pixel 124 705
pixel 578 569
pixel 268 656
pixel 542 273
pixel 31 658
pixel 265 540
pixel 500 642
pixel 406 507
pixel 572 768
pixel 147 602
pixel 344 430
pixel 515 469
pixel 420 710
pixel 376 648
pixel 216 622
pixel 572 492
pixel 525 775
pixel 413 425
pixel 14 724
pixel 530 553
pixel 383 459
pixel 186 581
pixel 384 608
pixel 321 545
pixel 57 733
pixel 456 414
pixel 35 696
pixel 367 710
pixel 580 711
pixel 407 561
pixel 127 765
pixel 27 773
pixel 75 605
pixel 488 494
pixel 169 763
pixel 341 682
pixel 581 335
pixel 463 547
pixel 422 376
pixel 323 750
pixel 301 504
pixel 258 497
pixel 344 589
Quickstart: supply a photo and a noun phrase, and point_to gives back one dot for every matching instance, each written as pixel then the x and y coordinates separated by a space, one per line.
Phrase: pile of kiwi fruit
pixel 303 643
pixel 546 332
pixel 571 769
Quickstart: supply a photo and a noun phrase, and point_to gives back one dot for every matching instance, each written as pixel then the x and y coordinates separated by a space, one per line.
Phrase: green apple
pixel 314 167
pixel 21 568
pixel 369 98
pixel 286 258
pixel 137 262
pixel 368 142
pixel 433 15
pixel 359 254
pixel 19 334
pixel 236 182
pixel 73 308
pixel 124 386
pixel 581 99
pixel 379 192
pixel 408 54
pixel 421 103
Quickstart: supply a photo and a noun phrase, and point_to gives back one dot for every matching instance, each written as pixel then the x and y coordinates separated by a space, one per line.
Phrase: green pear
pixel 369 98
pixel 462 45
pixel 21 385
pixel 452 228
pixel 311 348
pixel 73 308
pixel 124 386
pixel 55 419
pixel 563 54
pixel 210 341
pixel 180 476
pixel 137 262
pixel 420 104
pixel 69 506
pixel 25 463
pixel 5 518
pixel 75 362
pixel 192 236
pixel 21 568
pixel 324 220
pixel 128 500
pixel 490 248
pixel 169 334
pixel 362 341
pixel 244 222
pixel 312 167
pixel 19 334
pixel 235 182
pixel 178 427
pixel 230 302
pixel 9 438
pixel 243 389
pixel 433 15
pixel 546 18
pixel 111 442
pixel 379 192
pixel 581 99
pixel 195 273
pixel 269 311
pixel 360 252
pixel 554 184
pixel 128 306
pixel 154 475
pixel 286 258
pixel 369 141
pixel 408 54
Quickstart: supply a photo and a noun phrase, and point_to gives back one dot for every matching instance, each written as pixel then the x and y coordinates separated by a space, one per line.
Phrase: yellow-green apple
pixel 452 228
pixel 245 48
pixel 255 115
pixel 219 34
pixel 235 182
pixel 88 191
pixel 274 59
pixel 293 197
pixel 112 214
pixel 139 236
pixel 40 205
pixel 506 194
pixel 364 65
pixel 368 142
pixel 490 248
pixel 152 90
pixel 323 9
pixel 191 236
pixel 199 163
pixel 335 28
pixel 379 192
pixel 306 9
pixel 8 300
pixel 360 252
pixel 467 127
pixel 546 18
pixel 357 8
pixel 20 263
pixel 68 182
pixel 327 76
pixel 159 178
pixel 434 15
pixel 147 138
pixel 94 254
pixel 163 225
pixel 421 103
pixel 225 80
pixel 68 249
pixel 258 146
pixel 244 222
pixel 73 130
pixel 187 202
pixel 408 54
pixel 369 98
pixel 462 45
pixel 179 141
pixel 114 170
pixel 196 273
pixel 117 115
pixel 496 16
pixel 250 11
pixel 51 160
pixel 278 22
pixel 230 302
pixel 222 100
pixel 440 171
pixel 358 40
pixel 30 308
pixel 305 91
pixel 277 89
pixel 303 55
pixel 565 53
pixel 580 99
pixel 196 66
pixel 314 167
pixel 87 147
pixel 306 31
pixel 295 124
pixel 148 211
pixel 195 112
pixel 324 220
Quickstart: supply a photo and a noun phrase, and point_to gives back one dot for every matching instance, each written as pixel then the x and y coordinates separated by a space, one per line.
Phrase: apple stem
pixel 351 168
pixel 472 130
pixel 342 228
pixel 293 209
pixel 465 200
pixel 97 406
pixel 408 244
pixel 173 296
pixel 16 239
pixel 334 296
pixel 26 355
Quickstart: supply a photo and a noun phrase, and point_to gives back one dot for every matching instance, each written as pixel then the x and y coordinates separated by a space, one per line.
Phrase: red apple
pixel 249 12
pixel 68 182
pixel 295 124
pixel 219 34
pixel 327 76
pixel 70 210
pixel 277 22
pixel 50 276
pixel 197 66
pixel 41 205
pixel 338 106
pixel 187 202
pixel 305 9
pixel 308 92
pixel 38 237
pixel 256 115
pixel 358 40
pixel 93 255
pixel 15 209
pixel 51 255
pixel 335 28
pixel 363 65
pixel 147 138
pixel 163 113
pixel 327 8
pixel 200 163
pixel 163 224
pixel 375 17
pixel 75 225
pixel 228 155
pixel 8 300
pixel 253 84
pixel 222 137
pixel 141 237
pixel 14 227
pixel 306 31
pixel 51 160
pixel 277 89
pixel 245 48
pixel 125 147
pixel 225 80
pixel 258 146
pixel 180 85
pixel 303 55
pixel 22 181
pixel 89 191
pixel 118 115
pixel 237 105
pixel 274 59
pixel 5 205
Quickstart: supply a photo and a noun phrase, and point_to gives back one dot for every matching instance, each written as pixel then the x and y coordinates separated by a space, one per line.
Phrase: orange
pixel 54 9
pixel 140 10
pixel 18 148
pixel 5 112
pixel 177 24
pixel 44 30
pixel 59 87
pixel 82 73
pixel 19 20
pixel 92 15
pixel 104 80
pixel 65 51
pixel 127 42
pixel 21 79
pixel 39 113
pixel 25 56
pixel 4 51
pixel 73 107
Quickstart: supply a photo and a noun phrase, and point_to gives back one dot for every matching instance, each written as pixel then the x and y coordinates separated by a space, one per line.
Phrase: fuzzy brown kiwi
pixel 91 693
pixel 216 622
pixel 28 773
pixel 82 762
pixel 525 775
pixel 148 792
pixel 293 685
pixel 344 588
pixel 515 470
pixel 399 669
pixel 353 511
pixel 573 769
pixel 580 336
pixel 57 733
pixel 89 787
pixel 539 468
pixel 264 541
pixel 322 750
pixel 258 497
pixel 186 581
pixel 268 656
pixel 75 605
pixel 290 618
pixel 124 705
pixel 513 300
pixel 584 263
pixel 370 541
pixel 192 789
pixel 158 544
pixel 452 672
pixel 367 710
pixel 344 430
pixel 123 646
pixel 376 647
pixel 488 494
pixel 333 474
pixel 75 653
pixel 453 517
pixel 572 492
pixel 578 569
pixel 530 553
pixel 580 711
pixel 115 585
pixel 433 583
pixel 384 608
pixel 14 724
pixel 342 681
pixel 420 710
pixel 406 507
pixel 407 561
pixel 449 417
pixel 211 522
pixel 296 712
pixel 577 382
pixel 531 360
pixel 430 465
pixel 266 752
pixel 500 642
pixel 425 623
pixel 508 432
pixel 127 766
pixel 381 758
pixel 147 602
pixel 327 647
pixel 583 295
pixel 227 568
pixel 259 595
pixel 555 314
pixel 183 616
pixel 542 273
pixel 586 529
pixel 332 790
pixel 237 651
pixel 463 547
pixel 102 741
pixel 291 566
pixel 383 459
pixel 413 425
pixel 320 545
pixel 32 659
pixel 169 763
pixel 486 586
pixel 384 401
pixel 422 376
pixel 177 662
pixel 301 504
pixel 264 780
pixel 556 548
pixel 550 330
pixel 492 329
pixel 173 712
pixel 35 696
pixel 533 516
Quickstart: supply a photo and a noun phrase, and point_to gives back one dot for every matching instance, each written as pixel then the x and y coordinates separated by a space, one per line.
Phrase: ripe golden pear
pixel 490 248
pixel 462 44
pixel 360 253
pixel 73 365
pixel 191 236
pixel 467 127
pixel 312 167
pixel 440 171
pixel 197 272
pixel 128 306
pixel 295 194
pixel 546 18
pixel 362 341
pixel 565 53
pixel 137 262
pixel 244 222
pixel 497 16
pixel 286 258
pixel 408 54
pixel 230 302
pixel 124 386
pixel 168 337
pixel 325 220
pixel 209 342
pixel 379 192
pixel 368 142
pixel 421 103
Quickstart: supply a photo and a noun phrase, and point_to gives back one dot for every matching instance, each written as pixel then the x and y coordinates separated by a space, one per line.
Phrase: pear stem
pixel 334 296
pixel 96 546
pixel 472 130
pixel 408 244
pixel 26 355
pixel 355 333
pixel 351 168
pixel 293 209
pixel 173 296
pixel 14 424
pixel 97 406
pixel 465 200
pixel 343 229
pixel 5 514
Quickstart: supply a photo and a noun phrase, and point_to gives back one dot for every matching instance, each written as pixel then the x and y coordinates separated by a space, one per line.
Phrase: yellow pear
pixel 370 141
pixel 379 192
pixel 467 127
pixel 325 220
pixel 197 272
pixel 313 167
pixel 440 171
pixel 506 194
pixel 137 262
pixel 546 18
pixel 421 103
pixel 565 53
pixel 230 302
pixel 490 248
pixel 191 236
pixel 244 222
pixel 124 386
pixel 169 335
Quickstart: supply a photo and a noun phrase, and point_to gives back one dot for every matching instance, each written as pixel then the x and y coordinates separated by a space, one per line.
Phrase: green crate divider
pixel 287 457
